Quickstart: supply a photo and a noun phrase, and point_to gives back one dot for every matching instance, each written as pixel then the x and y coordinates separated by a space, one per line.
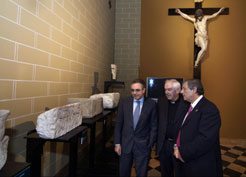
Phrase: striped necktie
pixel 136 115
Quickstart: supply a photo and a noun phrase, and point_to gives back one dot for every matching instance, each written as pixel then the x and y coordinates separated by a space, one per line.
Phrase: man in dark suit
pixel 135 130
pixel 171 108
pixel 198 147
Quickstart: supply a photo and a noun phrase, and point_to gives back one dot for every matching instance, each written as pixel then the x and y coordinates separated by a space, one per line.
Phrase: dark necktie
pixel 178 138
pixel 136 115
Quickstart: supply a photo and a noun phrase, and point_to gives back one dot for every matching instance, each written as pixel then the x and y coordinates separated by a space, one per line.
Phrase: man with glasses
pixel 135 130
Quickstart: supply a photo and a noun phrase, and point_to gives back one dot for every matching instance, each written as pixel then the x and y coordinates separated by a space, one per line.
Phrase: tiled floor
pixel 233 156
pixel 233 159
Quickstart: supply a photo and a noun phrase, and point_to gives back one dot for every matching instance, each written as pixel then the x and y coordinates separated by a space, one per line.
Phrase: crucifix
pixel 200 33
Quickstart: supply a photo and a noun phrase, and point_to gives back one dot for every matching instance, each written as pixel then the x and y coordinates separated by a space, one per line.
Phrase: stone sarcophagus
pixel 58 121
pixel 110 100
pixel 90 106
pixel 3 139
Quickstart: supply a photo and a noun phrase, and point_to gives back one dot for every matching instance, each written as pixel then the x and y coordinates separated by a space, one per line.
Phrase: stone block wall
pixel 49 51
pixel 127 42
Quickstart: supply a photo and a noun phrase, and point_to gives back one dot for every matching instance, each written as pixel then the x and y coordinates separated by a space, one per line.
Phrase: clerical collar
pixel 174 102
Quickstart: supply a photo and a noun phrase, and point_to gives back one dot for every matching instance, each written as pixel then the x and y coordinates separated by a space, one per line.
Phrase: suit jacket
pixel 199 141
pixel 162 106
pixel 145 133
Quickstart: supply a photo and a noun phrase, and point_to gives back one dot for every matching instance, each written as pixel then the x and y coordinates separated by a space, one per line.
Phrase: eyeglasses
pixel 135 90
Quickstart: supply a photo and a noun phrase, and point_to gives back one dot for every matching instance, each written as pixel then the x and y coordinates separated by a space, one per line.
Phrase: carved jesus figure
pixel 200 24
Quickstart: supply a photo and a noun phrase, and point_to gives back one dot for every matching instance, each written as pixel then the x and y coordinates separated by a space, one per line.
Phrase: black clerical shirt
pixel 172 108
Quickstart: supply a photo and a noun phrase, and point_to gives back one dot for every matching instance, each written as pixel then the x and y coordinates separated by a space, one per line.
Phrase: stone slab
pixel 90 107
pixel 58 121
pixel 110 100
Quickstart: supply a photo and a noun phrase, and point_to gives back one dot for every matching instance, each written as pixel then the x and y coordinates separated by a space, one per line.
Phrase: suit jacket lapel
pixel 194 111
pixel 131 112
pixel 179 117
pixel 163 109
pixel 180 113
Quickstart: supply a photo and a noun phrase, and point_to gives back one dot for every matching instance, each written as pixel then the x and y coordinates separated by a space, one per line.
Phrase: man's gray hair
pixel 176 84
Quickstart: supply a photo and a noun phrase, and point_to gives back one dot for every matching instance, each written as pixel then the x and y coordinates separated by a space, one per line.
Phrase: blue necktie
pixel 136 115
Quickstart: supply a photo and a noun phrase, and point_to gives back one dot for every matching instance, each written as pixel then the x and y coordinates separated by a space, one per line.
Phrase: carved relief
pixel 90 107
pixel 58 121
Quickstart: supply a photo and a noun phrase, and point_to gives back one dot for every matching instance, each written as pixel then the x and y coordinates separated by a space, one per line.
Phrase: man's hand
pixel 177 154
pixel 117 149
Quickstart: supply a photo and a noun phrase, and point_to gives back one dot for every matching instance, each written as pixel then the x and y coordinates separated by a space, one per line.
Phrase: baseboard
pixel 233 142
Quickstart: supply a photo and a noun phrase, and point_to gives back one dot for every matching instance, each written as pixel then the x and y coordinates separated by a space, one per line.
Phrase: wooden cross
pixel 191 11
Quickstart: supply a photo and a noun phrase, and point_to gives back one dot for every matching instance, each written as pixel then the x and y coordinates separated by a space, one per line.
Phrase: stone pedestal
pixel 3 139
pixel 110 100
pixel 90 107
pixel 58 121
